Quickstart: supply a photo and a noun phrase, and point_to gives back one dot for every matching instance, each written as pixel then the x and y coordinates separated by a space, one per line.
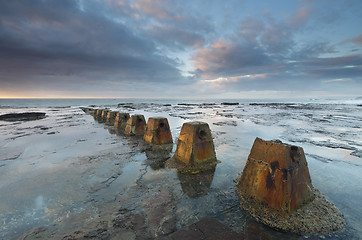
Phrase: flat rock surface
pixel 206 228
pixel 26 116
pixel 69 177
pixel 319 216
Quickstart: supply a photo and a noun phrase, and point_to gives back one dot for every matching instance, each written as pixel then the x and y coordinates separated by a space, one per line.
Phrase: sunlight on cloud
pixel 338 80
pixel 224 80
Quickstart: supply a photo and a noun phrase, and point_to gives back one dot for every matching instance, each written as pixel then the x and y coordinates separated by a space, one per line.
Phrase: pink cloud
pixel 250 29
pixel 227 59
pixel 213 57
pixel 301 16
pixel 157 9
pixel 356 40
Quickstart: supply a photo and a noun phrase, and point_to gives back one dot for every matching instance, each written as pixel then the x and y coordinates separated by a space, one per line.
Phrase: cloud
pixel 139 45
pixel 63 39
pixel 167 23
pixel 176 38
pixel 225 59
pixel 157 9
pixel 267 47
pixel 356 40
pixel 301 16
pixel 339 80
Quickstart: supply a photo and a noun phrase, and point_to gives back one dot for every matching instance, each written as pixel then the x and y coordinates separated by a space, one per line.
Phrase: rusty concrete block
pixel 277 175
pixel 136 125
pixel 103 116
pixel 98 114
pixel 111 116
pixel 158 131
pixel 195 146
pixel 120 121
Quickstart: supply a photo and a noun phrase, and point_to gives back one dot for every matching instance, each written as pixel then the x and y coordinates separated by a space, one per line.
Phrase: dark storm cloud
pixel 66 38
pixel 170 24
pixel 117 44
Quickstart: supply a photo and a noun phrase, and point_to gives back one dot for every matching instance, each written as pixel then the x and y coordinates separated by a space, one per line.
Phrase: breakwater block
pixel 87 110
pixel 195 148
pixel 158 131
pixel 277 174
pixel 111 116
pixel 120 121
pixel 276 188
pixel 97 113
pixel 103 116
pixel 136 125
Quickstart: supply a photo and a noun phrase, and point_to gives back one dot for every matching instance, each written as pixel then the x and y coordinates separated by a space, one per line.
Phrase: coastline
pixel 68 170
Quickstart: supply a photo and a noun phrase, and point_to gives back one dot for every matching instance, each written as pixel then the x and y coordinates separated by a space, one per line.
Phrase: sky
pixel 180 49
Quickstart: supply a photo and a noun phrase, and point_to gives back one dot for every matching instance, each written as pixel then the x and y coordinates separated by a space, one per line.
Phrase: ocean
pixel 68 173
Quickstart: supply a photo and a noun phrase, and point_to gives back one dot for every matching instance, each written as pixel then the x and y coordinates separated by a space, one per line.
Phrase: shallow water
pixel 68 172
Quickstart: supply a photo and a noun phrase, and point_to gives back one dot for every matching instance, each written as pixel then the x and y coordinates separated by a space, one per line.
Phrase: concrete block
pixel 195 146
pixel 277 175
pixel 158 131
pixel 120 121
pixel 136 125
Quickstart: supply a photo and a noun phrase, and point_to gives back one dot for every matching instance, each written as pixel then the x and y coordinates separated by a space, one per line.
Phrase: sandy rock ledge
pixel 319 216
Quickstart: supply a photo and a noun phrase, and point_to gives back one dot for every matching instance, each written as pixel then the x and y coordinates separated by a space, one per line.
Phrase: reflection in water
pixel 157 155
pixel 116 131
pixel 196 185
pixel 39 203
pixel 113 130
pixel 38 209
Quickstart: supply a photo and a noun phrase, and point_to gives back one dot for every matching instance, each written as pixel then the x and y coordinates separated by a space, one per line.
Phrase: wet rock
pixel 88 110
pixel 195 148
pixel 27 116
pixel 277 175
pixel 98 114
pixel 120 121
pixel 93 230
pixel 229 103
pixel 157 155
pixel 159 213
pixel 206 228
pixel 276 189
pixel 136 125
pixel 103 117
pixel 187 104
pixel 226 123
pixel 158 131
pixel 196 185
pixel 111 116
pixel 37 233
pixel 126 105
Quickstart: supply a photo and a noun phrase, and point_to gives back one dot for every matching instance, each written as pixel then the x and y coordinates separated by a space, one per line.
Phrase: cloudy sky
pixel 171 48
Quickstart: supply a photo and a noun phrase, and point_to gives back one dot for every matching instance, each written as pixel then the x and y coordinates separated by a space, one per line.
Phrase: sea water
pixel 67 170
